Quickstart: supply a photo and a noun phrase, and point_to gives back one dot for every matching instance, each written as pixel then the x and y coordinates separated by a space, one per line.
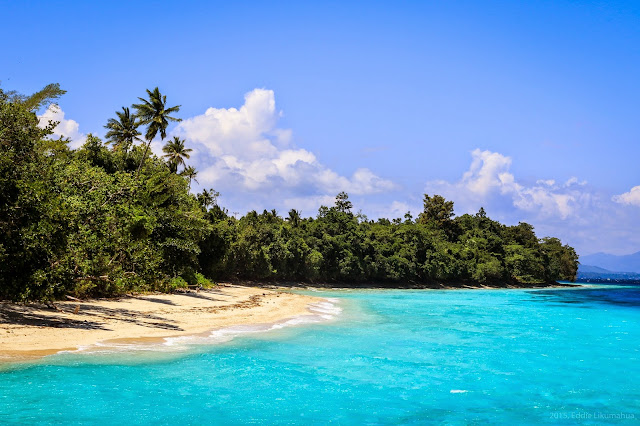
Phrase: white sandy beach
pixel 32 331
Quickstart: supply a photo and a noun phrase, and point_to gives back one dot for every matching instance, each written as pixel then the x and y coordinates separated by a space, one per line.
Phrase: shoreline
pixel 32 331
pixel 404 286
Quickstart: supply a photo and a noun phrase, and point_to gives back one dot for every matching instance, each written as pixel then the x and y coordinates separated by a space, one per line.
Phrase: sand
pixel 33 331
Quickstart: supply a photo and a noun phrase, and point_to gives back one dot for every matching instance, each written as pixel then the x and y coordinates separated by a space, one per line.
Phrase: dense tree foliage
pixel 100 221
pixel 338 246
pixel 80 221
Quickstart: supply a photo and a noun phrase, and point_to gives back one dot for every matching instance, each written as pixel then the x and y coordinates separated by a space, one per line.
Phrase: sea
pixel 378 357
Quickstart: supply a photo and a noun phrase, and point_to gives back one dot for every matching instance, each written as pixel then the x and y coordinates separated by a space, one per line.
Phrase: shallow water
pixel 394 356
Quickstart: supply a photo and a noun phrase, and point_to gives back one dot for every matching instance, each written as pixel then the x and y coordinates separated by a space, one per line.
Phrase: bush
pixel 202 281
pixel 176 283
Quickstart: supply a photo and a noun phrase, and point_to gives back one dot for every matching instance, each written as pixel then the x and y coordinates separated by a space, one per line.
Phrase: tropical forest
pixel 111 218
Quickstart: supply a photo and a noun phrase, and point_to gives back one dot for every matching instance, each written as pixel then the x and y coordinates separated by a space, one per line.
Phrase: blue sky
pixel 529 109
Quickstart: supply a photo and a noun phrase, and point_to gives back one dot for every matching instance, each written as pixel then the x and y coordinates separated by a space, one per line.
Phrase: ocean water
pixel 376 357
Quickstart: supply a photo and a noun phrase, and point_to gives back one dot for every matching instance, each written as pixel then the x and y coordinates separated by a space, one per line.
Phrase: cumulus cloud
pixel 588 218
pixel 489 176
pixel 244 148
pixel 399 209
pixel 631 198
pixel 66 128
pixel 488 171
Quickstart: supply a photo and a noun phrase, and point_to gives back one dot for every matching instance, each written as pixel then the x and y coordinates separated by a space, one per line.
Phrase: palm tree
pixel 208 198
pixel 123 131
pixel 190 173
pixel 175 153
pixel 154 114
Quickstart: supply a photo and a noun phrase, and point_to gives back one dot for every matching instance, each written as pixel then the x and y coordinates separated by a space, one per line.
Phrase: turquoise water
pixel 395 356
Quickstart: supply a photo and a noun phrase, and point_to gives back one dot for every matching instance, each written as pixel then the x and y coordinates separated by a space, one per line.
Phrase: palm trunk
pixel 144 156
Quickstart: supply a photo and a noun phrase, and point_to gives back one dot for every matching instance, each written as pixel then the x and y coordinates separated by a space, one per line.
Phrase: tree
pixel 190 173
pixel 522 234
pixel 294 218
pixel 47 95
pixel 342 203
pixel 154 114
pixel 208 198
pixel 31 220
pixel 175 153
pixel 561 261
pixel 71 223
pixel 436 210
pixel 123 131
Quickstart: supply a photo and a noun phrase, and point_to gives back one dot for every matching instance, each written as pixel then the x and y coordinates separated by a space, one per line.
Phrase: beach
pixel 392 357
pixel 35 330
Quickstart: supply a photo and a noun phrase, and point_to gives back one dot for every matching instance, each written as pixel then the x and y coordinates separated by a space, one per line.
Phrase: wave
pixel 323 311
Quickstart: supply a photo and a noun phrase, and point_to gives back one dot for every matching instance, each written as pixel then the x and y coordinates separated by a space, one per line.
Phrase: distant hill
pixel 590 269
pixel 612 263
pixel 590 273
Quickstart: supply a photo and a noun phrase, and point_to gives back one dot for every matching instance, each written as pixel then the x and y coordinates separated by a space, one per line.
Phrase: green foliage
pixel 80 222
pixel 123 131
pixel 38 100
pixel 208 198
pixel 342 203
pixel 190 173
pixel 436 210
pixel 33 226
pixel 340 247
pixel 561 261
pixel 176 283
pixel 175 153
pixel 94 222
pixel 202 281
pixel 489 269
pixel 154 114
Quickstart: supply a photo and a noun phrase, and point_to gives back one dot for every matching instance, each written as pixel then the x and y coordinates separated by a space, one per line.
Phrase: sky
pixel 528 109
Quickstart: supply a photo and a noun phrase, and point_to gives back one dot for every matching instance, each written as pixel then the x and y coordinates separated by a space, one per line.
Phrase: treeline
pixel 338 246
pixel 111 218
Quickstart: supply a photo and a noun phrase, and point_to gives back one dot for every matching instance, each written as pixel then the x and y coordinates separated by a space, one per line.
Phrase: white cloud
pixel 489 176
pixel 545 200
pixel 488 171
pixel 156 146
pixel 398 209
pixel 66 128
pixel 245 149
pixel 235 132
pixel 631 198
pixel 581 215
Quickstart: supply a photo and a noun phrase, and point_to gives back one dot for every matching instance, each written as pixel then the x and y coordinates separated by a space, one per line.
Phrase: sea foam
pixel 322 311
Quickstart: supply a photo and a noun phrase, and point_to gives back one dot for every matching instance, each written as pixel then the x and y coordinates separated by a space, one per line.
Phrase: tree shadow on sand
pixel 156 300
pixel 25 315
pixel 89 317
pixel 200 296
